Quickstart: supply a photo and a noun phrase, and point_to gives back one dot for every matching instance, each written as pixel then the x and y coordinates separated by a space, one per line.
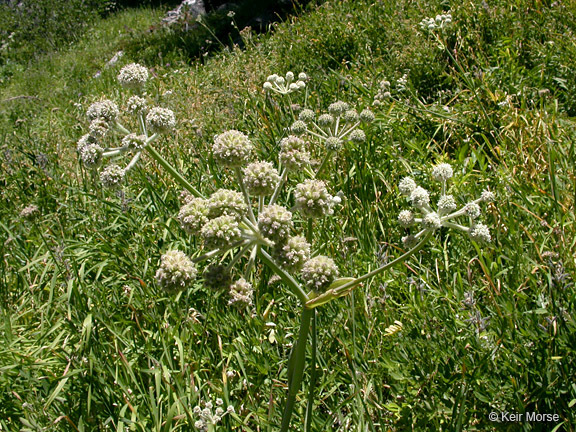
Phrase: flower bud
pixel 406 186
pixel 226 202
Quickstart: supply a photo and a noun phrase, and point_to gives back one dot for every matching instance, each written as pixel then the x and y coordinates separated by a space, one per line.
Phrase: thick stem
pixel 276 193
pixel 296 368
pixel 313 376
pixel 175 174
pixel 246 196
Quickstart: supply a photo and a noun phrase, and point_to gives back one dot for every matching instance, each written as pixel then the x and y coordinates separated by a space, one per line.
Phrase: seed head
pixel 338 108
pixel 446 204
pixel 133 76
pixel 358 135
pixel 298 127
pixel 319 272
pixel 160 120
pixel 306 115
pixel 133 141
pixel 333 143
pixel 221 232
pixel 261 178
pixel 98 128
pixel 193 215
pixel 232 148
pixel 432 221
pixel 313 199
pixel 487 196
pixel 326 120
pixel 367 116
pixel 420 197
pixel 91 155
pixel 473 210
pixel 176 271
pixel 350 116
pixel 84 141
pixel 275 222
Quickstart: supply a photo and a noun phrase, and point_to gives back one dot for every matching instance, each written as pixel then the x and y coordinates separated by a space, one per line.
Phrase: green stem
pixel 296 368
pixel 286 278
pixel 283 177
pixel 246 196
pixel 175 174
pixel 313 376
pixel 323 164
pixel 343 289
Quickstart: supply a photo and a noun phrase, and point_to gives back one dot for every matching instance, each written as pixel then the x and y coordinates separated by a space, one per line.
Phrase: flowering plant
pixel 268 220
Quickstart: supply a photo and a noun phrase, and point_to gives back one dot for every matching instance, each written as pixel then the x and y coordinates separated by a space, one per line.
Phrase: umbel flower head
pixel 285 85
pixel 160 120
pixel 293 254
pixel 112 176
pixel 176 271
pixel 275 222
pixel 105 110
pixel 334 128
pixel 446 212
pixel 293 153
pixel 260 178
pixel 319 272
pixel 241 292
pixel 232 148
pixel 194 215
pixel 313 199
pixel 133 76
pixel 221 232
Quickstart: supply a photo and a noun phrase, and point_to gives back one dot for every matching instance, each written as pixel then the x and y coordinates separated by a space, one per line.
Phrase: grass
pixel 90 342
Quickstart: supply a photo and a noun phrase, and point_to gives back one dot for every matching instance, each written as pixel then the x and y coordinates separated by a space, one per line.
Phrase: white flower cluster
pixel 446 211
pixel 104 118
pixel 334 128
pixel 176 271
pixel 439 22
pixel 210 414
pixel 287 85
pixel 386 90
pixel 241 293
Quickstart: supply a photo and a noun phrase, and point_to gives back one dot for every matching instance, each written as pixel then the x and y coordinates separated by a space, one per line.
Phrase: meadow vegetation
pixel 91 341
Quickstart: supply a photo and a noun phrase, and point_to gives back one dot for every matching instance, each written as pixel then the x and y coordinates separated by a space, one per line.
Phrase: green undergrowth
pixel 90 342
